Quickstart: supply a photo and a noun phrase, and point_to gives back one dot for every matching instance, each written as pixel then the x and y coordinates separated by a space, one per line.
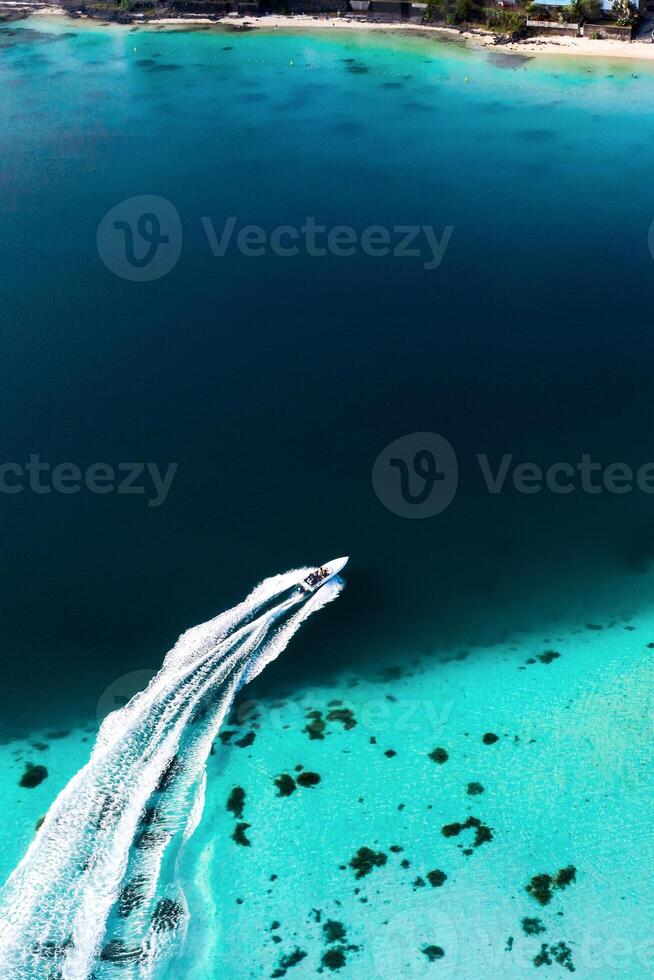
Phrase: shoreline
pixel 579 47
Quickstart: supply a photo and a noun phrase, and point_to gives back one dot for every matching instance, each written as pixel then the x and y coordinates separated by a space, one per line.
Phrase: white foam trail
pixel 96 893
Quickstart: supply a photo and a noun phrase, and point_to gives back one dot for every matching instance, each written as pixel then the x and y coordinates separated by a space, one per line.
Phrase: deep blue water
pixel 275 382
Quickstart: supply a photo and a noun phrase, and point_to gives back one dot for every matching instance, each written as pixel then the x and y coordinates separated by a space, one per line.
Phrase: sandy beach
pixel 585 47
pixel 543 44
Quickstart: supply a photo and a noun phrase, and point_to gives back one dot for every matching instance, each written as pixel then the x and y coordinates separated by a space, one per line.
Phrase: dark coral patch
pixel 240 836
pixel 366 859
pixel 490 738
pixel 333 959
pixel 287 961
pixel 558 953
pixel 33 776
pixel 475 789
pixel 246 741
pixel 439 755
pixel 566 876
pixel 236 802
pixel 436 878
pixel 532 927
pixel 308 779
pixel 333 931
pixel 483 833
pixel 344 715
pixel 541 887
pixel 315 727
pixel 433 953
pixel 285 784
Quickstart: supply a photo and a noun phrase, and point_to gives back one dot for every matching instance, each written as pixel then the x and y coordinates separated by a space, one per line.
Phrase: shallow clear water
pixel 274 383
pixel 565 785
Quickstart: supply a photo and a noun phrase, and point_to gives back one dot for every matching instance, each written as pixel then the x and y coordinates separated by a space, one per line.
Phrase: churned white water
pixel 97 885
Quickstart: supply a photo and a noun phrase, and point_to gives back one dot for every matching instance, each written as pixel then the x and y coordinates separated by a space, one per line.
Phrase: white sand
pixel 545 44
pixel 584 46
pixel 541 44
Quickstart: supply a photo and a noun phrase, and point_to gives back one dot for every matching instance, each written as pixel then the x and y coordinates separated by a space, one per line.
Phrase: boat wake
pixel 96 894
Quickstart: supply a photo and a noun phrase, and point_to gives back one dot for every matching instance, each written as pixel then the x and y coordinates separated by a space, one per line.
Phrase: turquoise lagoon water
pixel 274 383
pixel 565 785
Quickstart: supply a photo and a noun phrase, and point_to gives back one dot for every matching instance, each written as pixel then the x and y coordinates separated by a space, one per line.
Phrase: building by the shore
pixel 390 8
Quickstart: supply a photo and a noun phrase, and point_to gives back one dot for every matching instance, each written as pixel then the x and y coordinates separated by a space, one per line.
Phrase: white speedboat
pixel 323 574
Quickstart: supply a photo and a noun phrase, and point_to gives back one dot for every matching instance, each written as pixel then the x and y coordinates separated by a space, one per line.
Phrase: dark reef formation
pixel 33 776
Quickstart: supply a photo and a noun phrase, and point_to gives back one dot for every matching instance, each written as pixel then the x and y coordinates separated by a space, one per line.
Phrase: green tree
pixel 623 12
